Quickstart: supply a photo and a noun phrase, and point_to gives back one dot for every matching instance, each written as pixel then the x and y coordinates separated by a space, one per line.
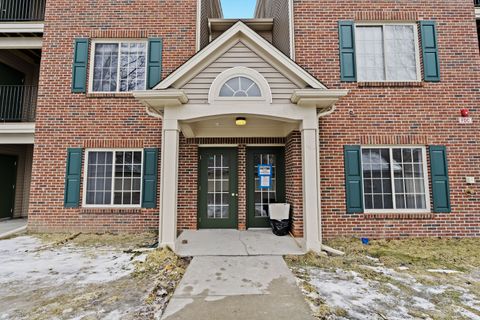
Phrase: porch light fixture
pixel 240 121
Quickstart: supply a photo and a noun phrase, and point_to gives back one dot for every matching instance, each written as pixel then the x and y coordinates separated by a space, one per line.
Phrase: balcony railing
pixel 477 3
pixel 22 10
pixel 18 103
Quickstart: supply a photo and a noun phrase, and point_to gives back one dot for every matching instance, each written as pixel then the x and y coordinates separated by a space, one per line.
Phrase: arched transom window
pixel 240 87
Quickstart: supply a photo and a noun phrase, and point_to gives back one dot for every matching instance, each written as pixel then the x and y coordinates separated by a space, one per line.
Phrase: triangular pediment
pixel 240 37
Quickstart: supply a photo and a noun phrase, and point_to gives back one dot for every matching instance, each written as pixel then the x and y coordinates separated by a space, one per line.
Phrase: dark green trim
pixel 252 221
pixel 203 221
pixel 72 178
pixel 346 35
pixel 150 168
pixel 80 62
pixel 440 180
pixel 431 64
pixel 154 66
pixel 353 179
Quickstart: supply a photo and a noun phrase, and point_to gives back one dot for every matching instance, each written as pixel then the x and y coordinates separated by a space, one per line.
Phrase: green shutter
pixel 72 178
pixel 431 65
pixel 346 34
pixel 80 62
pixel 150 165
pixel 353 179
pixel 154 67
pixel 440 184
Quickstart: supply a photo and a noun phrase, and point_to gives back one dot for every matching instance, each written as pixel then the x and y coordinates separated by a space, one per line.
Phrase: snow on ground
pixel 39 281
pixel 356 286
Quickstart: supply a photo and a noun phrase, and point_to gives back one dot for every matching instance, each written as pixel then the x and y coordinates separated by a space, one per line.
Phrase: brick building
pixel 130 116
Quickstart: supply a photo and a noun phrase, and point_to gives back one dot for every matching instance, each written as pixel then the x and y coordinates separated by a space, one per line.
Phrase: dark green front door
pixel 259 198
pixel 8 174
pixel 217 194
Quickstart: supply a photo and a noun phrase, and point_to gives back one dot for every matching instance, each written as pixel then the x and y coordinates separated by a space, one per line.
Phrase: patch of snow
pixel 403 268
pixel 347 290
pixel 26 260
pixel 445 271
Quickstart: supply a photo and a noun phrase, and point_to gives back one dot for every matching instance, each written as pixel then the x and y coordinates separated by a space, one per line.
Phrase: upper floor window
pixel 119 66
pixel 240 87
pixel 387 52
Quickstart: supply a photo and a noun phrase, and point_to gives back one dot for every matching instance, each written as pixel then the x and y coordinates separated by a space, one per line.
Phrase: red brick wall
pixel 425 114
pixel 293 180
pixel 67 120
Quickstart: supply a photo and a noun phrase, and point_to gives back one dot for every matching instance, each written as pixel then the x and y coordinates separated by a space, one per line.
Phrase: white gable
pixel 239 55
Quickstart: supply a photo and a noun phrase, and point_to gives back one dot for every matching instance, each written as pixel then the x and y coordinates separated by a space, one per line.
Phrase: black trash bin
pixel 280 227
pixel 280 218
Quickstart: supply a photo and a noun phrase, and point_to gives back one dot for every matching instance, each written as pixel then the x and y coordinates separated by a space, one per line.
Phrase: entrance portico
pixel 267 112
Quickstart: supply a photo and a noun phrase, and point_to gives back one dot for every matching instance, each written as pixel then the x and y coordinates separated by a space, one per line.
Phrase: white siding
pixel 239 56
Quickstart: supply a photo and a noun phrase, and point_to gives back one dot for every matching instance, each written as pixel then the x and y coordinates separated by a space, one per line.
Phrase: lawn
pixel 393 279
pixel 78 276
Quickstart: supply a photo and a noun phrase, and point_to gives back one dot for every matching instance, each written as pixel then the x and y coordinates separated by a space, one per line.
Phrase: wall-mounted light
pixel 240 121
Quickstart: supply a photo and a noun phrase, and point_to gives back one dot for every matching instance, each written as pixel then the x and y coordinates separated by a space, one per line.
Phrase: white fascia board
pixel 215 46
pixel 319 98
pixel 17 133
pixel 477 13
pixel 21 43
pixel 21 27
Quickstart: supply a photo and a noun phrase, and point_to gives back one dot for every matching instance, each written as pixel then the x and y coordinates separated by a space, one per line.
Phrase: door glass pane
pixel 218 193
pixel 264 196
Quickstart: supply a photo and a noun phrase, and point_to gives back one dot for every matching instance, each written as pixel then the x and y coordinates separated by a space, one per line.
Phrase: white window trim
pixel 417 48
pixel 425 180
pixel 112 206
pixel 255 76
pixel 92 62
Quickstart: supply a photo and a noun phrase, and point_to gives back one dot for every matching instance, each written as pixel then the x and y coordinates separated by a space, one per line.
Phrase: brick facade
pixel 422 113
pixel 65 120
pixel 381 113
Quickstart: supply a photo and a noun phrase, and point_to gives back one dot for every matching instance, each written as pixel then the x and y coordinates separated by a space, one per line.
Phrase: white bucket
pixel 279 211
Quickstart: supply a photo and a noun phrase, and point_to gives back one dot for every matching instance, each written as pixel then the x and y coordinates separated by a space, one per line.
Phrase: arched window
pixel 240 87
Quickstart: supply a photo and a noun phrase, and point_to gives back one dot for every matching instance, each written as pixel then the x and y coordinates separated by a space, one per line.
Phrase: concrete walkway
pixel 245 287
pixel 12 226
pixel 235 243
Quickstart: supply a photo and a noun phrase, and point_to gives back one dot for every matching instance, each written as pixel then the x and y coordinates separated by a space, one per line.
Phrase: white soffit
pixel 21 43
pixel 239 32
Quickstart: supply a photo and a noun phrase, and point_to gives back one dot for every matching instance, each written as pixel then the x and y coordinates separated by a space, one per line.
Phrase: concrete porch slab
pixel 235 243
pixel 12 226
pixel 259 287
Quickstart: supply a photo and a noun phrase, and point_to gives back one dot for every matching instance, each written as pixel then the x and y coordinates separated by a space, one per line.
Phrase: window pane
pixel 99 178
pixel 105 67
pixel 409 178
pixel 378 188
pixel 132 66
pixel 369 47
pixel 400 53
pixel 128 177
pixel 240 87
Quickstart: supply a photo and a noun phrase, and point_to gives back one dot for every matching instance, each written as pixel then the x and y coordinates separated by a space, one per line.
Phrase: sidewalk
pixel 12 226
pixel 246 287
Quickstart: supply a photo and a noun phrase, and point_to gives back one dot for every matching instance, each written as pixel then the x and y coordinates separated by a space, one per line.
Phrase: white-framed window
pixel 387 52
pixel 240 87
pixel 118 65
pixel 113 178
pixel 395 179
pixel 240 83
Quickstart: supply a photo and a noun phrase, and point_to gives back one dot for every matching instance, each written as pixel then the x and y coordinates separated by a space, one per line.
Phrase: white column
pixel 311 185
pixel 169 184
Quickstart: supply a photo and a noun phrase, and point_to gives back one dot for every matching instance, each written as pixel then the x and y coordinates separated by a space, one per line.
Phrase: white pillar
pixel 311 186
pixel 169 184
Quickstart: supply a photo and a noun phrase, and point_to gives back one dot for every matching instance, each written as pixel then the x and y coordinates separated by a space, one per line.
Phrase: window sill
pixel 110 210
pixel 388 84
pixel 110 95
pixel 399 216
